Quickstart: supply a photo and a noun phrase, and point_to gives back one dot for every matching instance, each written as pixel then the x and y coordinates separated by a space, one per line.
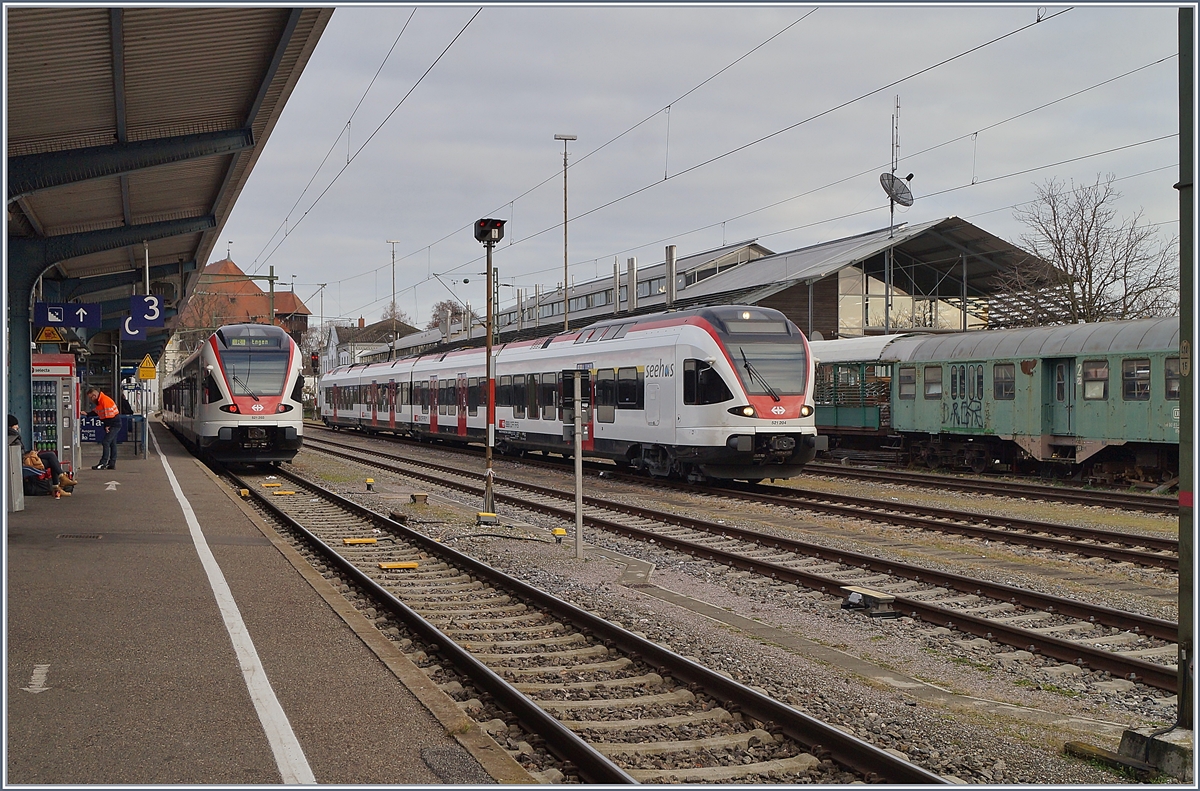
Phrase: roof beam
pixel 37 255
pixel 34 172
pixel 73 288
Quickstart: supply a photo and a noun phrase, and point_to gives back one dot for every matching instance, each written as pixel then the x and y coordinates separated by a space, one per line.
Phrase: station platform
pixel 146 650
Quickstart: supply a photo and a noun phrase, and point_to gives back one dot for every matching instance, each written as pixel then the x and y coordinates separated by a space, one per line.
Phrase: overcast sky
pixel 475 136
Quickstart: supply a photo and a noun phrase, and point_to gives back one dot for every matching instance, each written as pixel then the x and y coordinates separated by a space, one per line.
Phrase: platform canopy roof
pixel 131 125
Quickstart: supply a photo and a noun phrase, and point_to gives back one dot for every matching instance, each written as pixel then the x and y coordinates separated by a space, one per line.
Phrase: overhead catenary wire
pixel 371 136
pixel 361 99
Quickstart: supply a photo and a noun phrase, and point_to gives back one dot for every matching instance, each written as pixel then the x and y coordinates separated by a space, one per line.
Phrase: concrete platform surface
pixel 122 669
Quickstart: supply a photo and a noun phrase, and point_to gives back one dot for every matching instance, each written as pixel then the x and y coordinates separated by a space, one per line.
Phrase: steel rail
pixel 1128 500
pixel 560 740
pixel 1159 676
pixel 873 763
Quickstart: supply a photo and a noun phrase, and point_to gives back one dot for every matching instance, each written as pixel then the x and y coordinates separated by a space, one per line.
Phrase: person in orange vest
pixel 106 409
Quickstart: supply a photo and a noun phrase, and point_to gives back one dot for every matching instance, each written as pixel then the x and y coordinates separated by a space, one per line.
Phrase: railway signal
pixel 489 231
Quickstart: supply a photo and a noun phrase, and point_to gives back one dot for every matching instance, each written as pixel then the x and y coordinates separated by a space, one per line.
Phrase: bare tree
pixel 394 311
pixel 438 313
pixel 1088 264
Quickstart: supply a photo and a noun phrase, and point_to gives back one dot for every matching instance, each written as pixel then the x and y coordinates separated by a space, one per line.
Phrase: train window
pixel 1171 392
pixel 1060 382
pixel 620 333
pixel 954 382
pixel 962 381
pixel 298 389
pixel 1004 381
pixel 548 396
pixel 443 397
pixel 606 395
pixel 519 399
pixel 423 396
pixel 631 387
pixel 532 396
pixel 585 335
pixel 933 381
pixel 979 382
pixel 1135 375
pixel 702 384
pixel 211 394
pixel 1095 380
pixel 504 391
pixel 473 396
pixel 908 382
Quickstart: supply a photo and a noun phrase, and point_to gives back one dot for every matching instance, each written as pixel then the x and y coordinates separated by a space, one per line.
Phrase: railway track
pixel 1110 499
pixel 1125 644
pixel 1139 549
pixel 610 705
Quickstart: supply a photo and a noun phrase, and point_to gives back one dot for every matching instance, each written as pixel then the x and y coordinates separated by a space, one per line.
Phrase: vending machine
pixel 56 407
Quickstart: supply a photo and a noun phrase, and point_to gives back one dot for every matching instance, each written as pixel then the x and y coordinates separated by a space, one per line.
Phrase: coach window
pixel 212 393
pixel 473 396
pixel 518 395
pixel 954 381
pixel 908 382
pixel 630 389
pixel 424 397
pixel 1004 381
pixel 606 395
pixel 1095 380
pixel 1171 393
pixel 979 382
pixel 531 394
pixel 702 384
pixel 933 381
pixel 1135 376
pixel 548 396
pixel 504 391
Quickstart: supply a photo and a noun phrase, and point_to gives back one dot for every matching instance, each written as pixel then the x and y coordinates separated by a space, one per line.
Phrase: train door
pixel 391 403
pixel 1061 374
pixel 333 402
pixel 462 404
pixel 433 405
pixel 373 395
pixel 652 404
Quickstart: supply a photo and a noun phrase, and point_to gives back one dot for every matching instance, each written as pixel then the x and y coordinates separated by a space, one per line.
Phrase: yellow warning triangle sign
pixel 146 369
pixel 49 335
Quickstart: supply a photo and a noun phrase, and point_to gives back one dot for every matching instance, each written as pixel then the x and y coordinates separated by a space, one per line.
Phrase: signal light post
pixel 489 232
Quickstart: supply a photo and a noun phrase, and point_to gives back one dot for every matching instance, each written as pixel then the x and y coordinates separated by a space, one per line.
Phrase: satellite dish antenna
pixel 897 188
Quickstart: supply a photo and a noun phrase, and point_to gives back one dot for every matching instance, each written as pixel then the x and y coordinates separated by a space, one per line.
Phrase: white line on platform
pixel 289 756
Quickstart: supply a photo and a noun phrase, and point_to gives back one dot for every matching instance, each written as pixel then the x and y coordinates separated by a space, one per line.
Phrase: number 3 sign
pixel 145 311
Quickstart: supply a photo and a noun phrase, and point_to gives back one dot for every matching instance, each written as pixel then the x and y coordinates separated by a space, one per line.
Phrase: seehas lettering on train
pixel 660 370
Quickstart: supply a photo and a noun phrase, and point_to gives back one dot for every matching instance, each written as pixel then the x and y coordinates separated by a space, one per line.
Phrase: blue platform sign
pixel 67 314
pixel 131 333
pixel 91 429
pixel 145 310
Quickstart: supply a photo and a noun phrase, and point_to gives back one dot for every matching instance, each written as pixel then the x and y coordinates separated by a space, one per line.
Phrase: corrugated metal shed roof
pixel 1064 341
pixel 87 84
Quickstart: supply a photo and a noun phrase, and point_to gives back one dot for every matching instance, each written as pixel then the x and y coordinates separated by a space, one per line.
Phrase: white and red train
pixel 707 393
pixel 237 398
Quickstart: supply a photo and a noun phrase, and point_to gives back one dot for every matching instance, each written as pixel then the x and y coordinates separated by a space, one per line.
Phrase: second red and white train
pixel 708 393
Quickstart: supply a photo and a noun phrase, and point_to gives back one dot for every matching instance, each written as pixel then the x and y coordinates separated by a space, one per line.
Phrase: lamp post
pixel 391 346
pixel 489 232
pixel 566 281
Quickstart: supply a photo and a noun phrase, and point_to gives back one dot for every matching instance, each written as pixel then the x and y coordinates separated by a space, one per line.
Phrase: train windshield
pixel 774 368
pixel 257 373
pixel 767 350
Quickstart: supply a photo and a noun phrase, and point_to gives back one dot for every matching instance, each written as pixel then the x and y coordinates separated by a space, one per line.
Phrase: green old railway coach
pixel 1097 399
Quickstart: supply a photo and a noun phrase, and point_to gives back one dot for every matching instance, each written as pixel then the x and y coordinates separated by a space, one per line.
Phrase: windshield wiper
pixel 754 374
pixel 250 392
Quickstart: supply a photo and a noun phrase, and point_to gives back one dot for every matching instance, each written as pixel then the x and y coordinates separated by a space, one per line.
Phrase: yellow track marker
pixel 411 564
pixel 358 541
pixel 281 492
pixel 269 485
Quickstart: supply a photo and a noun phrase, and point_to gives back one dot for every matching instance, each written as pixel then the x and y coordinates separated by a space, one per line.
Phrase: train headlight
pixel 229 408
pixel 283 408
pixel 743 411
pixel 806 410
